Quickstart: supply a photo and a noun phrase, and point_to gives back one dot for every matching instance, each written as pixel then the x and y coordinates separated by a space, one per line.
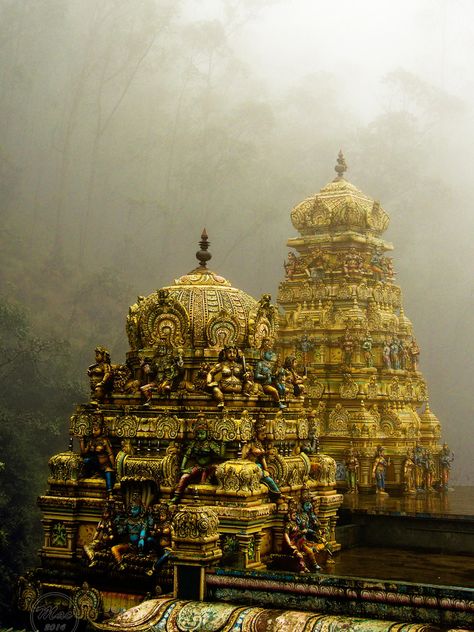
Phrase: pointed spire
pixel 341 166
pixel 203 256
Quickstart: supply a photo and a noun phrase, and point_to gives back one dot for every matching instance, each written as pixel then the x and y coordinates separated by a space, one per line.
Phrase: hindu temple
pixel 212 479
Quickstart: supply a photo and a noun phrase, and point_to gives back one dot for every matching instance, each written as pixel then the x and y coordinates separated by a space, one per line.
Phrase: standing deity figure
pixel 100 375
pixel 200 454
pixel 293 378
pixel 446 457
pixel 367 350
pixel 256 452
pixel 352 471
pixel 266 374
pixel 404 355
pixel 394 354
pixel 414 351
pixel 229 375
pixel 98 456
pixel 419 460
pixel 429 470
pixel 347 347
pixel 379 470
pixel 387 362
pixel 409 473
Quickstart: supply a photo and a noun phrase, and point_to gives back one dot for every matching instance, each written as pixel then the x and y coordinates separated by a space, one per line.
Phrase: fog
pixel 129 125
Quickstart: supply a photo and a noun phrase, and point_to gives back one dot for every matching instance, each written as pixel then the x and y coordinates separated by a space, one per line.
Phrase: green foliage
pixel 34 403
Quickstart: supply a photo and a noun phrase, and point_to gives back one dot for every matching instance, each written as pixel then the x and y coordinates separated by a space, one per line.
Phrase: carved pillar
pixel 244 540
pixel 258 538
pixel 195 541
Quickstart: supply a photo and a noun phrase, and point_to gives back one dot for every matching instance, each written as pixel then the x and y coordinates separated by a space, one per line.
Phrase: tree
pixel 33 406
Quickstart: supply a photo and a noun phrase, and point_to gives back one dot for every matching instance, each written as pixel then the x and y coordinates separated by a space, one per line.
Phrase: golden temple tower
pixel 343 318
pixel 184 452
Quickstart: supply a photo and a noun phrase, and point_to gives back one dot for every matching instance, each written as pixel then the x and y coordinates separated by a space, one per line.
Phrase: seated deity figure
pixel 311 528
pixel 302 537
pixel 104 536
pixel 100 375
pixel 256 452
pixel 268 374
pixel 162 372
pixel 98 455
pixel 229 376
pixel 198 464
pixel 293 539
pixel 135 527
pixel 293 378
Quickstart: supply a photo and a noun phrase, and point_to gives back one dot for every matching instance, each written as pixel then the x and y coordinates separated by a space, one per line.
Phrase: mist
pixel 127 127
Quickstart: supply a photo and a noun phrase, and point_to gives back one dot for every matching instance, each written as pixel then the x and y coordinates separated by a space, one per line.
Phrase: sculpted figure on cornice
pixel 101 375
pixel 229 376
pixel 353 263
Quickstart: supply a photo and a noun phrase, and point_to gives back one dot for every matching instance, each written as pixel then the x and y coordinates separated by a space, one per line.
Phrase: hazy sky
pixel 361 41
pixel 125 132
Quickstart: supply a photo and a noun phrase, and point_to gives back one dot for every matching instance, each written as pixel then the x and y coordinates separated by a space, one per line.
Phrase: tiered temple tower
pixel 185 450
pixel 344 320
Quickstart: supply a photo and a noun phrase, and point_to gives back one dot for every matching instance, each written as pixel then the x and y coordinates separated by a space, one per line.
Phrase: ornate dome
pixel 339 206
pixel 200 310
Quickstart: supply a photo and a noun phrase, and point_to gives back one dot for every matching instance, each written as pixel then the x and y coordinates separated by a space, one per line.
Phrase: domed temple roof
pixel 339 205
pixel 200 309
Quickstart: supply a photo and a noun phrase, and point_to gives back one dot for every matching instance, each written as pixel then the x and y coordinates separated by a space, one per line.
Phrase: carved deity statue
pixel 386 358
pixel 367 350
pixel 256 452
pixel 229 376
pixel 134 527
pixel 414 351
pixel 446 457
pixel 163 372
pixel 100 375
pixel 379 470
pixel 409 473
pixel 198 464
pixel 293 379
pixel 269 374
pixel 352 471
pixel 98 456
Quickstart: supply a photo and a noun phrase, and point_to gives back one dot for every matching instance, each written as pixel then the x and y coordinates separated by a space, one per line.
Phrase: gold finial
pixel 341 166
pixel 202 255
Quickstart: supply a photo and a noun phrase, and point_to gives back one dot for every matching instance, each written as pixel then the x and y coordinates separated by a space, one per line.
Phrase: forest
pixel 127 127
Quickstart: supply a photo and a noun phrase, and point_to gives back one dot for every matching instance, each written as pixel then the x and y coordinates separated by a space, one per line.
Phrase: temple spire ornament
pixel 341 166
pixel 203 256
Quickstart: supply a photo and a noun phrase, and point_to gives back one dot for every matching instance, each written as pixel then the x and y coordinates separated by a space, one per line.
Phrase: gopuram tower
pixel 344 322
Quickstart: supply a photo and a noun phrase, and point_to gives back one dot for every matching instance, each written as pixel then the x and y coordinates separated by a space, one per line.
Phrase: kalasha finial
pixel 341 166
pixel 202 255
